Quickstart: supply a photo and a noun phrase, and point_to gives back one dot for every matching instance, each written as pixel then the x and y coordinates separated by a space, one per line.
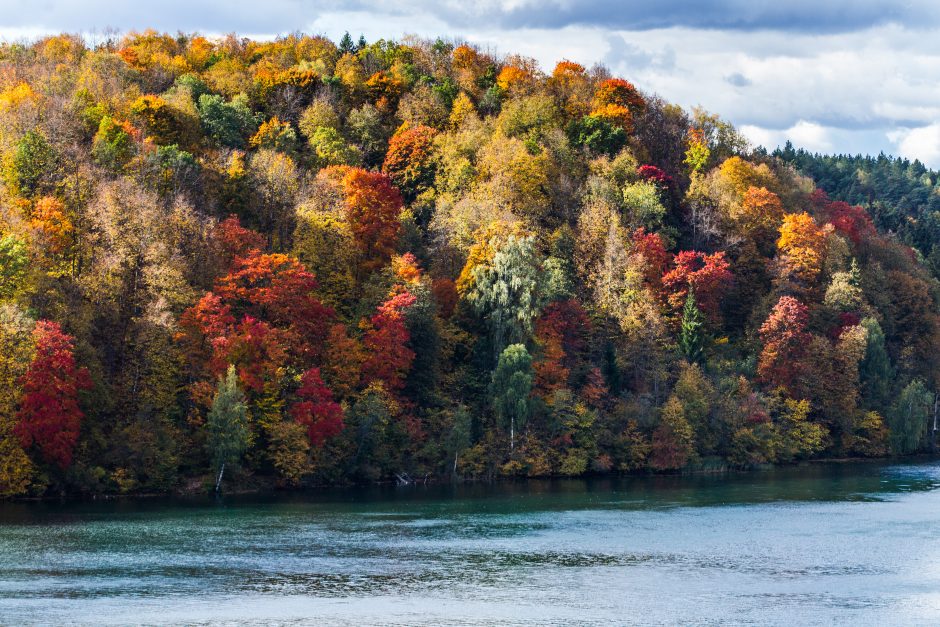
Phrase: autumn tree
pixel 673 444
pixel 618 102
pixel 802 244
pixel 708 275
pixel 316 410
pixel 371 206
pixel 49 416
pixel 16 347
pixel 410 160
pixel 785 340
pixel 388 357
pixel 759 214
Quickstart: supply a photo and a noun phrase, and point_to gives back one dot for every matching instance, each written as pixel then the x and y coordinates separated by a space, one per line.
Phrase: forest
pixel 289 263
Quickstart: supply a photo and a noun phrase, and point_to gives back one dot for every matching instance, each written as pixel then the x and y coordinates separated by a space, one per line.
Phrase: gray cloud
pixel 738 80
pixel 832 16
pixel 622 53
pixel 805 16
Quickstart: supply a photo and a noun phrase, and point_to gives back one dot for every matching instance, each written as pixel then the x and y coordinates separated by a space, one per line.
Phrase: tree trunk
pixel 218 481
pixel 512 433
pixel 455 462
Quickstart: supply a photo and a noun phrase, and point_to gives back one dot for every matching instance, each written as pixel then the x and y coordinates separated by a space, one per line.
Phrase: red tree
pixel 851 221
pixel 409 160
pixel 372 208
pixel 785 339
pixel 278 289
pixel 560 331
pixel 709 275
pixel 317 410
pixel 49 416
pixel 654 174
pixel 261 316
pixel 234 240
pixel 651 246
pixel 386 343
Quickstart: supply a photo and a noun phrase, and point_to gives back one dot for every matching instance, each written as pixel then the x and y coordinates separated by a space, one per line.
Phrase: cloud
pixel 809 135
pixel 803 16
pixel 919 143
pixel 622 53
pixel 806 16
pixel 737 79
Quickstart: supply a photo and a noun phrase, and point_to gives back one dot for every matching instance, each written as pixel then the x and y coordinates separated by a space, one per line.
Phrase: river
pixel 851 544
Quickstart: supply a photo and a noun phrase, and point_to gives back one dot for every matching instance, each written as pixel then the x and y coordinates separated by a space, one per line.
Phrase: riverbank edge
pixel 197 486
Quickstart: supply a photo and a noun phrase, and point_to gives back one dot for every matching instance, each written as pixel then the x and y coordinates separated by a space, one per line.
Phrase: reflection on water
pixel 821 544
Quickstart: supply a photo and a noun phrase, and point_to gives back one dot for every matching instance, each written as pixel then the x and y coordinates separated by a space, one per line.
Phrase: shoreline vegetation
pixel 206 488
pixel 301 262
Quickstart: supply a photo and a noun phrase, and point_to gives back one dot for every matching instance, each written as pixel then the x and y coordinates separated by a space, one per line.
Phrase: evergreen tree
pixel 875 371
pixel 346 45
pixel 692 334
pixel 229 436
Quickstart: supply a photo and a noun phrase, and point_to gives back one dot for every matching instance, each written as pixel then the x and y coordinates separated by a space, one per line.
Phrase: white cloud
pixel 809 135
pixel 919 143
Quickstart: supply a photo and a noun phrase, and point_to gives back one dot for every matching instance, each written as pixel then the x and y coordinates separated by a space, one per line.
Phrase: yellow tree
pixel 16 348
pixel 802 243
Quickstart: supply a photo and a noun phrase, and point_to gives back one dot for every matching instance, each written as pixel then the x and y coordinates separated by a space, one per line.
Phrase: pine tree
pixel 346 44
pixel 229 436
pixel 692 334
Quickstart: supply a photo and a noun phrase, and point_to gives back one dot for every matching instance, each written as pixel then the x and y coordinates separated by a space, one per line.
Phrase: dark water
pixel 851 544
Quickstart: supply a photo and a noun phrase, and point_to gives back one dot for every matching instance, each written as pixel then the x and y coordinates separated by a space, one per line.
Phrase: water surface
pixel 824 544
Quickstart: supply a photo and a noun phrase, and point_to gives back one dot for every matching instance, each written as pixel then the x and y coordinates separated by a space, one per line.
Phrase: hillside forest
pixel 296 262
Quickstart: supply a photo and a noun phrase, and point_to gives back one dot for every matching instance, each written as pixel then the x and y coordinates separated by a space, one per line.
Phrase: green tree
pixel 511 389
pixel 14 259
pixel 692 331
pixel 228 123
pixel 697 395
pixel 31 162
pixel 229 435
pixel 876 371
pixel 597 135
pixel 507 292
pixel 907 419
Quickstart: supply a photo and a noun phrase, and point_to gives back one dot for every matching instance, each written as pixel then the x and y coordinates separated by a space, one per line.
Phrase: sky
pixel 843 76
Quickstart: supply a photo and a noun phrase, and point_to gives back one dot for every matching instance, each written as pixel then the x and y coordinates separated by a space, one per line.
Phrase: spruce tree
pixel 692 333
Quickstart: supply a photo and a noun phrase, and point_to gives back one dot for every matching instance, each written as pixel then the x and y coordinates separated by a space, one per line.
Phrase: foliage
pixel 411 257
pixel 49 415
pixel 510 388
pixel 227 422
pixel 907 419
pixel 691 334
